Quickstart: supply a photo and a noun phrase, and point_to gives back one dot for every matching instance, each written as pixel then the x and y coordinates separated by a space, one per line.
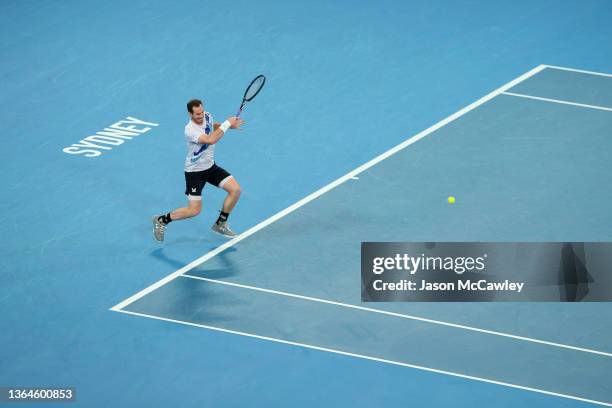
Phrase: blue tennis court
pixel 372 115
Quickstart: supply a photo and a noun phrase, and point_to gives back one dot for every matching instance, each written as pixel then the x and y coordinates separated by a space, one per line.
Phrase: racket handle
pixel 241 107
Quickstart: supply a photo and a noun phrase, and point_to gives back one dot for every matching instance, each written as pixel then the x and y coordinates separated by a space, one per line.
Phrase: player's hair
pixel 192 103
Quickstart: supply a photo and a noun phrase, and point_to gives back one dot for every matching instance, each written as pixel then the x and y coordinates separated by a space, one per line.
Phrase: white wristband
pixel 225 125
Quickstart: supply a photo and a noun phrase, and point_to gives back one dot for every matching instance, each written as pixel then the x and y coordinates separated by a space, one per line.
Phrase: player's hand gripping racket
pixel 252 91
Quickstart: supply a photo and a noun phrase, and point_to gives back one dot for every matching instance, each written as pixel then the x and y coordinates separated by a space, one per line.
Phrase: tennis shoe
pixel 159 229
pixel 223 229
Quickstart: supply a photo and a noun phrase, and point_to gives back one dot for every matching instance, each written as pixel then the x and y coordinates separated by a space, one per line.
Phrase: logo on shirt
pixel 200 150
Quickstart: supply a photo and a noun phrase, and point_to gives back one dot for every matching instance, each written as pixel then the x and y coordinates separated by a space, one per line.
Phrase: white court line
pixel 365 357
pixel 404 316
pixel 582 105
pixel 579 70
pixel 327 188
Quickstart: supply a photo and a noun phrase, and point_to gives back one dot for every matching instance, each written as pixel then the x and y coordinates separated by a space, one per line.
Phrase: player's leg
pixel 194 183
pixel 233 194
pixel 194 207
pixel 160 221
pixel 226 181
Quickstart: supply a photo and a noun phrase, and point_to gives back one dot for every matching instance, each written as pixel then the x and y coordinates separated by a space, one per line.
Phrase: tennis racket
pixel 252 91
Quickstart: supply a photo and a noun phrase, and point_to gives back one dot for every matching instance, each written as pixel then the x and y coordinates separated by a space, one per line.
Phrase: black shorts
pixel 195 180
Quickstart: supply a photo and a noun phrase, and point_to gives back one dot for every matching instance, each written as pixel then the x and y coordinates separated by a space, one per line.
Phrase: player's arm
pixel 218 132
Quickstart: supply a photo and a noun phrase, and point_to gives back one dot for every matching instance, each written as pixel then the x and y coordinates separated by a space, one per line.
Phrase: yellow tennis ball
pixel 451 200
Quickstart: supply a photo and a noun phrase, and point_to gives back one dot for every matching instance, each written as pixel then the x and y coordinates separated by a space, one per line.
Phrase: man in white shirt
pixel 201 135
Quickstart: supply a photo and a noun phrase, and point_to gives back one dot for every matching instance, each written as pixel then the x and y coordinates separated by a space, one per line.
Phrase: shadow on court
pixel 228 269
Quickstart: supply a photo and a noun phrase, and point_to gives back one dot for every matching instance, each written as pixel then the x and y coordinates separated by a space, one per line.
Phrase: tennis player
pixel 201 135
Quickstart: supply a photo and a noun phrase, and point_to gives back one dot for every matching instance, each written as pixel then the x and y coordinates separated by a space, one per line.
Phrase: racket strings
pixel 254 88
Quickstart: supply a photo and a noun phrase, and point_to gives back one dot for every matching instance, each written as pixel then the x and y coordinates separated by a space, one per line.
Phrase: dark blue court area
pixel 373 113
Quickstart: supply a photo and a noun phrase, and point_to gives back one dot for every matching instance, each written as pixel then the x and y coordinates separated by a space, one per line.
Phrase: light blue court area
pixel 274 318
pixel 528 162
